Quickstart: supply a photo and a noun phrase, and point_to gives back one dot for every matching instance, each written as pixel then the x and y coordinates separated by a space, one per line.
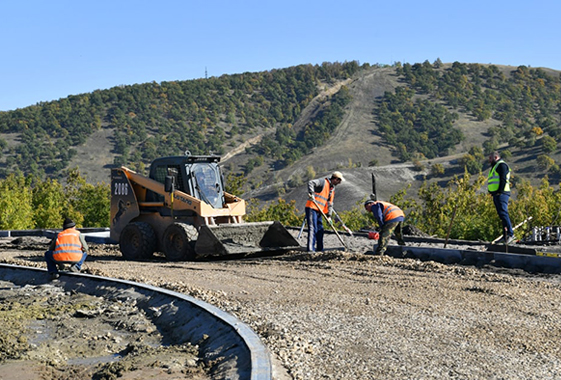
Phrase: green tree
pixel 16 208
pixel 471 164
pixel 94 203
pixel 234 184
pixel 461 199
pixel 281 210
pixel 310 173
pixel 544 162
pixel 49 201
pixel 437 169
pixel 549 144
pixel 543 204
pixel 357 218
pixel 74 183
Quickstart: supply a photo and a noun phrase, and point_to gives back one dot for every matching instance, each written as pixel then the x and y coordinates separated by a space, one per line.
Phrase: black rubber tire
pixel 179 242
pixel 138 241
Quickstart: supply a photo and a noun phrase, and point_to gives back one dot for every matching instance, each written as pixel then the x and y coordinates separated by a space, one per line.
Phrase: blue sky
pixel 52 49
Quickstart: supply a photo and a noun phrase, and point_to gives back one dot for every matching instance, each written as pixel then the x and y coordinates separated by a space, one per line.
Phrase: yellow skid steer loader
pixel 182 210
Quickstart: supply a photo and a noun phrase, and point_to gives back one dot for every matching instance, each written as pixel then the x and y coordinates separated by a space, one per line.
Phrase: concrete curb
pixel 530 263
pixel 94 235
pixel 237 351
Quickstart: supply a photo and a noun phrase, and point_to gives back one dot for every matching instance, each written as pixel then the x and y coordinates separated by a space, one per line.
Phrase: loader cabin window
pixel 208 183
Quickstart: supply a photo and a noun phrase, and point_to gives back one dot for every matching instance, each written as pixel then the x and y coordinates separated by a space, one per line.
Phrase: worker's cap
pixel 338 175
pixel 370 201
pixel 68 223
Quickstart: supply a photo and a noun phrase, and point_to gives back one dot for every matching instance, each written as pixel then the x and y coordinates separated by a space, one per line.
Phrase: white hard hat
pixel 337 175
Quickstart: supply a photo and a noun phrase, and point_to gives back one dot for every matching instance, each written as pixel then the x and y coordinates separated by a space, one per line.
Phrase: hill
pixel 357 144
pixel 283 127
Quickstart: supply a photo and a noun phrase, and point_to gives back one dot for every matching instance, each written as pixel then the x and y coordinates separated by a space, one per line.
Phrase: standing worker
pixel 322 191
pixel 498 186
pixel 67 247
pixel 390 218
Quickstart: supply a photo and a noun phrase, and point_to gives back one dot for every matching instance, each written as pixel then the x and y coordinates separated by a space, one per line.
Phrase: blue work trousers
pixel 501 204
pixel 315 230
pixel 52 263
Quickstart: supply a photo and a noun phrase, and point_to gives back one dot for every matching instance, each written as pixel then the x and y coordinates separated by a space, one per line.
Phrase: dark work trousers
pixel 386 234
pixel 315 230
pixel 52 263
pixel 501 204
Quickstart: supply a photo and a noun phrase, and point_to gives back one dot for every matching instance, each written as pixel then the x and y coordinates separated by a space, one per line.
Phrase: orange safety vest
pixel 68 247
pixel 323 199
pixel 390 211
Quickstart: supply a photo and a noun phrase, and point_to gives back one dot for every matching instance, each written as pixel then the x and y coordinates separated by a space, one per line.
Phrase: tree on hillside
pixel 416 126
pixel 549 144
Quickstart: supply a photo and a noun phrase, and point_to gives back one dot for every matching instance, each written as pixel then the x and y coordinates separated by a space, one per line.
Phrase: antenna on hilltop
pixel 206 73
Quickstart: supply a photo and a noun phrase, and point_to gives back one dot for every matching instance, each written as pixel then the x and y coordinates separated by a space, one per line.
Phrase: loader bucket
pixel 242 238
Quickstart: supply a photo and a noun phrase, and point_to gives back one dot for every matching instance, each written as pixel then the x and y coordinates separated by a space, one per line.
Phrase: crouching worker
pixel 390 219
pixel 68 247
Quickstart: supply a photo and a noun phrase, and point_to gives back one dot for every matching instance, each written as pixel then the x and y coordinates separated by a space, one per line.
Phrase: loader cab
pixel 198 176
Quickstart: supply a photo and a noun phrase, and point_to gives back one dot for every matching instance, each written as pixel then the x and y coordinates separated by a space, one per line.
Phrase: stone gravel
pixel 351 315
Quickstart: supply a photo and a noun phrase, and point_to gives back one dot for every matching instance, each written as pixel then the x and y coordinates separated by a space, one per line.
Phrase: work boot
pixel 74 268
pixel 53 276
pixel 511 239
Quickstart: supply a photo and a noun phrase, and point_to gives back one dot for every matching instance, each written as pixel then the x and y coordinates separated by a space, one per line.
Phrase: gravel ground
pixel 351 315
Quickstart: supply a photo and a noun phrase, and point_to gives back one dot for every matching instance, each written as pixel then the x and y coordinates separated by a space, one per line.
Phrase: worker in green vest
pixel 498 185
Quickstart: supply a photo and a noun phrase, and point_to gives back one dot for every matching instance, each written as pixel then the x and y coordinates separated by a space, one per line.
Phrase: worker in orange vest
pixel 320 193
pixel 67 247
pixel 390 218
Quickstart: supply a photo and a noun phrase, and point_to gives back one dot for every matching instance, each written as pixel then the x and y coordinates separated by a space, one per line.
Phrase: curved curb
pixel 237 350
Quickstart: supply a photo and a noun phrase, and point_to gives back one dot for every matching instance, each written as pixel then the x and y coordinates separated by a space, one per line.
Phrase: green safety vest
pixel 494 180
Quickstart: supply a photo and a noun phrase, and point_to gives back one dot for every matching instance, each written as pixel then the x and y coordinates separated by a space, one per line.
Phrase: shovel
pixel 343 224
pixel 330 223
pixel 513 228
pixel 302 228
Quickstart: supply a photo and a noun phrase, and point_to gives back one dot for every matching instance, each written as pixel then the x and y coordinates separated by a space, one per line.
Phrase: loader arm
pixel 234 207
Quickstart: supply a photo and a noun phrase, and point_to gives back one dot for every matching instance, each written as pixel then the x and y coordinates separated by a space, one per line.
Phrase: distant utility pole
pixel 206 73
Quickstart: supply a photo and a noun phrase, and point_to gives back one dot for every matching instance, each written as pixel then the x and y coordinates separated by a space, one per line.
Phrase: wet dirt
pixel 49 333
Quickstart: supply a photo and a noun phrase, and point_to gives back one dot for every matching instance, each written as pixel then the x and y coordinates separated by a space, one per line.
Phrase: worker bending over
pixel 390 218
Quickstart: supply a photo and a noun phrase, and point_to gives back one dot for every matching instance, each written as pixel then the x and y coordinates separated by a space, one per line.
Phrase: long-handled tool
pixel 330 223
pixel 343 224
pixel 374 196
pixel 302 228
pixel 515 227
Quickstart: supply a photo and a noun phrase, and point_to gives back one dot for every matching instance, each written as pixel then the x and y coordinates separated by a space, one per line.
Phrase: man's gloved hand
pixel 373 235
pixel 311 197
